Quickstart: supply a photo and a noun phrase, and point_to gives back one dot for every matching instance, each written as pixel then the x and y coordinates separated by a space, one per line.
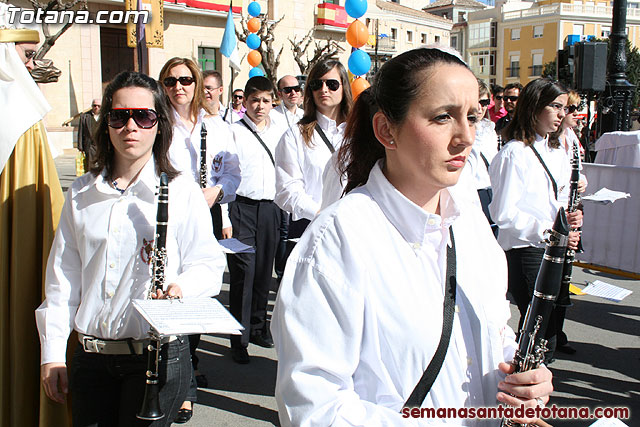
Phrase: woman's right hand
pixel 54 380
pixel 574 238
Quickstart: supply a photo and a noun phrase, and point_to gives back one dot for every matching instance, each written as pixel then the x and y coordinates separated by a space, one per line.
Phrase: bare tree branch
pixel 270 61
pixel 322 51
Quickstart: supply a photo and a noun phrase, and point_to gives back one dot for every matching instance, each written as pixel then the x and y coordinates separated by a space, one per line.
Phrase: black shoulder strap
pixel 484 159
pixel 324 138
pixel 430 374
pixel 224 118
pixel 259 140
pixel 546 169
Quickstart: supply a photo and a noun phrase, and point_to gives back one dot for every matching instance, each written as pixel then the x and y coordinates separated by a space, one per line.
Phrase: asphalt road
pixel 604 372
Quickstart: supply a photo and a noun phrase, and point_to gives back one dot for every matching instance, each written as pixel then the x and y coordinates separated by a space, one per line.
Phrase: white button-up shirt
pixel 99 261
pixel 486 143
pixel 284 117
pixel 258 172
pixel 222 158
pixel 299 168
pixel 359 310
pixel 523 204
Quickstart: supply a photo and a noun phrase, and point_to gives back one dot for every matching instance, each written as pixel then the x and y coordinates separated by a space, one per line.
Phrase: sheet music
pixel 605 196
pixel 188 316
pixel 235 246
pixel 606 290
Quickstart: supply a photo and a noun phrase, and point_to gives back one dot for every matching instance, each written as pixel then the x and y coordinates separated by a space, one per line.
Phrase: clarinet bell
pixel 150 410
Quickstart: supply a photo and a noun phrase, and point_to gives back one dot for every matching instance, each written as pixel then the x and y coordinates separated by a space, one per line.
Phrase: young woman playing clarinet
pixel 368 292
pixel 99 264
pixel 530 181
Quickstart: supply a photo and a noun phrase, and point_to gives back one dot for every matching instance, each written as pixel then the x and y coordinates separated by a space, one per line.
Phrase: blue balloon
pixel 355 8
pixel 253 41
pixel 359 62
pixel 254 8
pixel 256 71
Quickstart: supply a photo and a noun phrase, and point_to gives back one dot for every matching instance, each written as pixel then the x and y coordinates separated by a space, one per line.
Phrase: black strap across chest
pixel 324 138
pixel 259 140
pixel 484 159
pixel 431 373
pixel 546 169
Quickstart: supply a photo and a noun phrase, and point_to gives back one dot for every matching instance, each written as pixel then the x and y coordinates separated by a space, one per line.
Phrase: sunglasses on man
pixel 332 84
pixel 498 97
pixel 172 81
pixel 510 98
pixel 485 102
pixel 145 118
pixel 570 109
pixel 289 89
pixel 238 96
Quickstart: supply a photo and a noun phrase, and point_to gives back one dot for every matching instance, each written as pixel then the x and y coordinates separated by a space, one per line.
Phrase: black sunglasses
pixel 238 96
pixel 184 81
pixel 289 89
pixel 570 109
pixel 145 118
pixel 332 84
pixel 485 102
pixel 510 98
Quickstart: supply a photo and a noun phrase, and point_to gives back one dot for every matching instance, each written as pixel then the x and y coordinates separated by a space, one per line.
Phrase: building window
pixel 605 32
pixel 207 58
pixel 423 38
pixel 578 29
pixel 538 30
pixel 536 68
pixel 409 36
pixel 445 15
pixel 394 34
pixel 480 63
pixel 461 16
pixel 454 42
pixel 436 39
pixel 515 34
pixel 480 35
pixel 514 66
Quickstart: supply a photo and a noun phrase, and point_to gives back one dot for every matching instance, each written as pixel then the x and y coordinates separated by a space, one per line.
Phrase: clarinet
pixel 531 343
pixel 151 403
pixel 203 156
pixel 574 202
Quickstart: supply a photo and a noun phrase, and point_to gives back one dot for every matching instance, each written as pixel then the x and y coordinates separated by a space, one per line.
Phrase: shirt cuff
pixel 54 350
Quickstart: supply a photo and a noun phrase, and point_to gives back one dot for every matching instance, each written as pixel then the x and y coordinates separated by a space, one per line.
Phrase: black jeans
pixel 523 264
pixel 107 390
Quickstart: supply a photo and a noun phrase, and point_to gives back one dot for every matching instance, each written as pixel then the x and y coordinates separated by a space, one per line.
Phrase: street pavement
pixel 604 372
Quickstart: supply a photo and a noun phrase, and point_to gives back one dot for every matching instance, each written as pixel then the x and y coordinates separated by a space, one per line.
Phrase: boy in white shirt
pixel 255 218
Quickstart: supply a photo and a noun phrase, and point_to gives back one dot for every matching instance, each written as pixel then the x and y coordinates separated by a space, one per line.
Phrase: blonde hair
pixel 198 101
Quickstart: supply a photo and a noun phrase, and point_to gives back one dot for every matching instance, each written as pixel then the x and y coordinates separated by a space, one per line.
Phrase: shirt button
pixel 416 246
pixel 457 309
pixel 469 361
pixel 115 230
pixel 104 324
pixel 110 294
pixel 112 265
pixel 431 221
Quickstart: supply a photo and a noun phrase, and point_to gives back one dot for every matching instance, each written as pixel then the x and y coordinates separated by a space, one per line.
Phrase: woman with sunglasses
pixel 359 313
pixel 482 153
pixel 99 264
pixel 305 149
pixel 530 181
pixel 184 87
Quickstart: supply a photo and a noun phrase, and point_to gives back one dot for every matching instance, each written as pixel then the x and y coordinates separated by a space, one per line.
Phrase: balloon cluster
pixel 253 41
pixel 357 36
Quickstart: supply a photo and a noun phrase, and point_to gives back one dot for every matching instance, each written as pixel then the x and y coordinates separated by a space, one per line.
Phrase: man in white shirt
pixel 213 91
pixel 290 93
pixel 286 114
pixel 255 218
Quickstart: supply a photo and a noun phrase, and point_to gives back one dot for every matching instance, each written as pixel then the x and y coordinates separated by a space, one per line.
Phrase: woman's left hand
pixel 173 291
pixel 529 388
pixel 582 186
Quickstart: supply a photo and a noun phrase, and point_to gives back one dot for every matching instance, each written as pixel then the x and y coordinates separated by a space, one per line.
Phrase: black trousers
pixel 107 390
pixel 523 264
pixel 255 223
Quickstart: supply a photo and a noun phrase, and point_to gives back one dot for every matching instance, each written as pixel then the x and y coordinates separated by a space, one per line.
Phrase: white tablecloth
pixel 610 234
pixel 619 149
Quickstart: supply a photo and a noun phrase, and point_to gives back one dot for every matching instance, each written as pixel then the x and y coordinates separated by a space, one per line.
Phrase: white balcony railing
pixel 569 9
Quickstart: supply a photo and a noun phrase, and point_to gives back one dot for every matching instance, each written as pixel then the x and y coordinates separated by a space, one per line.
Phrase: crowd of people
pixel 421 203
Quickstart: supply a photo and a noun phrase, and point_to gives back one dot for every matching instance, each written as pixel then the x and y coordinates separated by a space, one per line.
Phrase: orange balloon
pixel 357 34
pixel 358 85
pixel 253 25
pixel 254 58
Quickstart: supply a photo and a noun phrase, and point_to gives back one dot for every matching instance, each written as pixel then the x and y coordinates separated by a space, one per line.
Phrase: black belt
pixel 248 201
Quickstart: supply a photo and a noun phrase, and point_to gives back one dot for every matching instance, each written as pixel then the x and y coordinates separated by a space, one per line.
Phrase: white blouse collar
pixel 409 219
